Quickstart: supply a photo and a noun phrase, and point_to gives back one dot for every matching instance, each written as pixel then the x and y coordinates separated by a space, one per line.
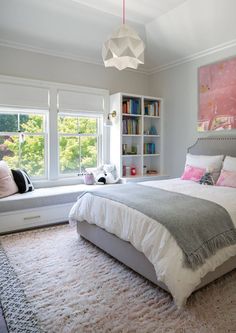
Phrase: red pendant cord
pixel 123 11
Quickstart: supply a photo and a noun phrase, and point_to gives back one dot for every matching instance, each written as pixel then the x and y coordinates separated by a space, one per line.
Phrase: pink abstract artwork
pixel 217 96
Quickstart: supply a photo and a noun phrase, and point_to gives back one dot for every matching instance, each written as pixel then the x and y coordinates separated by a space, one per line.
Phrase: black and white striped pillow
pixel 22 180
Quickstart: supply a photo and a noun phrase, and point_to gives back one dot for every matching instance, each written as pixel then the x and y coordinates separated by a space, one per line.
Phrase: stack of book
pixel 130 126
pixel 131 106
pixel 149 148
pixel 151 108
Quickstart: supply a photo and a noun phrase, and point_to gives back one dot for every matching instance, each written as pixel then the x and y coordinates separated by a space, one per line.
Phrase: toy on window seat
pixel 105 174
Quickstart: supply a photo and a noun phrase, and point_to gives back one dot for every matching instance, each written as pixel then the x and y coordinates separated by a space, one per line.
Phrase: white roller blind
pixel 80 101
pixel 14 95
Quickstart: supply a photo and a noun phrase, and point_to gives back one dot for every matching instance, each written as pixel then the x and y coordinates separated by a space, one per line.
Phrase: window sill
pixel 58 182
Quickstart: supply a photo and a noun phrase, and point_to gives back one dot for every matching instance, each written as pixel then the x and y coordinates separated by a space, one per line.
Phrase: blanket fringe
pixel 209 248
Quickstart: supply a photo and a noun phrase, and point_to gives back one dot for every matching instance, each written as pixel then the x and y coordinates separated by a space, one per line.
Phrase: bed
pixel 149 248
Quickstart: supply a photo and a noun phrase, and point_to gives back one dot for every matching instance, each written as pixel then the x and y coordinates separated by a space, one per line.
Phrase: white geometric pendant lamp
pixel 124 48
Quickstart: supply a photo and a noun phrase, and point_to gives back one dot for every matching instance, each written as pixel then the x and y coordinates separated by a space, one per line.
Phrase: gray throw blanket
pixel 200 227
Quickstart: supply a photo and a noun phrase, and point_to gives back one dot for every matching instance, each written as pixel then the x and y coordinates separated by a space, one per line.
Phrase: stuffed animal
pixel 100 179
pixel 105 174
pixel 207 179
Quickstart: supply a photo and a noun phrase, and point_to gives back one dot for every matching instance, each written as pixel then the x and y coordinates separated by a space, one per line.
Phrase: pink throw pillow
pixel 227 178
pixel 193 173
pixel 7 183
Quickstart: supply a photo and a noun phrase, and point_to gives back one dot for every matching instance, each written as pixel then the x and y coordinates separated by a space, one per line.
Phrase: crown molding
pixel 193 57
pixel 146 71
pixel 64 55
pixel 30 48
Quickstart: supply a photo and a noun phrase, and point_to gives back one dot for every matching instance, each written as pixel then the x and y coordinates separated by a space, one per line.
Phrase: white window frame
pixel 27 111
pixel 99 137
pixel 53 176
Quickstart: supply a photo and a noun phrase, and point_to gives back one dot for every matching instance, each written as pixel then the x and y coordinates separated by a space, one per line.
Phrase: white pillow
pixel 205 161
pixel 7 184
pixel 212 164
pixel 229 163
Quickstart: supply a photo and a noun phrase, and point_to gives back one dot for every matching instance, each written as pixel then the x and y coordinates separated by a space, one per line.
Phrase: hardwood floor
pixel 3 327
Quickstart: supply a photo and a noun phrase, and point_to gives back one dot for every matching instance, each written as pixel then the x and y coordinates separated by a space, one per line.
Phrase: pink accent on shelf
pixel 227 178
pixel 89 179
pixel 133 171
pixel 193 173
pixel 217 96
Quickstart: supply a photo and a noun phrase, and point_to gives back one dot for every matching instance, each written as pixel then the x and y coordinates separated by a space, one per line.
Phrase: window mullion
pixel 78 135
pixel 80 155
pixel 53 156
pixel 18 122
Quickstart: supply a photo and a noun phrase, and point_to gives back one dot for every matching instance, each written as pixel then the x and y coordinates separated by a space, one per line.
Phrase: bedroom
pixel 51 62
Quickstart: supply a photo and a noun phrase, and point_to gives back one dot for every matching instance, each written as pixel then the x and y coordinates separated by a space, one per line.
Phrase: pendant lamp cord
pixel 123 11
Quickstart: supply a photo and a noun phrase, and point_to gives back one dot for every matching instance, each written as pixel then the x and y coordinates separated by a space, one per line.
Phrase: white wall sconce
pixel 108 121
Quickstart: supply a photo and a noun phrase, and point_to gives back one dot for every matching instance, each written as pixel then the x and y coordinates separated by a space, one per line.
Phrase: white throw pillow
pixel 7 183
pixel 229 163
pixel 212 164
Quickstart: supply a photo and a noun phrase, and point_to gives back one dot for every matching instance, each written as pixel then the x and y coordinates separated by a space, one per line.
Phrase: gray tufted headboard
pixel 214 146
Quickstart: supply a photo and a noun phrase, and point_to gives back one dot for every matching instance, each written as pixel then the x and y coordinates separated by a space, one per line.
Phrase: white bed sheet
pixel 153 239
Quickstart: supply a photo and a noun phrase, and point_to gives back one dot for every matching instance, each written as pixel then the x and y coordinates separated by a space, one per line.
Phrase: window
pixel 53 130
pixel 79 142
pixel 23 140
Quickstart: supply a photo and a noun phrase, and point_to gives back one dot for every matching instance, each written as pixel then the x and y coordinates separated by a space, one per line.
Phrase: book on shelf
pixel 149 148
pixel 151 108
pixel 130 126
pixel 131 106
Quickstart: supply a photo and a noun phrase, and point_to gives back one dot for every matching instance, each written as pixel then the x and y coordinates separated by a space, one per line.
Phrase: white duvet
pixel 153 239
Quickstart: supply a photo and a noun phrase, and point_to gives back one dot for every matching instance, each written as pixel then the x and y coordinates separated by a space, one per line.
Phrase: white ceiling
pixel 137 11
pixel 172 30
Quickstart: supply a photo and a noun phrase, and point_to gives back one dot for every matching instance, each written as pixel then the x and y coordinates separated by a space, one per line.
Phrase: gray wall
pixel 178 87
pixel 20 63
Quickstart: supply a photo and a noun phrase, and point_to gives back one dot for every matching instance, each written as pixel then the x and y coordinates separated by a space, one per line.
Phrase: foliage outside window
pixel 79 142
pixel 23 140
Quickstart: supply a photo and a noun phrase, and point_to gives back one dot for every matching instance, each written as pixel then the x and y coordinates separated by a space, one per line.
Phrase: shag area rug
pixel 68 285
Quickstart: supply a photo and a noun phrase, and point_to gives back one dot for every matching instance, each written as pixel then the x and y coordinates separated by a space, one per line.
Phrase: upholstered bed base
pixel 127 254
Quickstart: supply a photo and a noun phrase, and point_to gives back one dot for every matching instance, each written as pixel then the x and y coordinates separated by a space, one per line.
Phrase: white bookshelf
pixel 136 137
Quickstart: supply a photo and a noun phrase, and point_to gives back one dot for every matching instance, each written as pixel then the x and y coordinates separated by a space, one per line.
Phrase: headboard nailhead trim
pixel 229 138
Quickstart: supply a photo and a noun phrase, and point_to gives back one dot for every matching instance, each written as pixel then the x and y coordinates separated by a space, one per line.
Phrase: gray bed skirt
pixel 128 255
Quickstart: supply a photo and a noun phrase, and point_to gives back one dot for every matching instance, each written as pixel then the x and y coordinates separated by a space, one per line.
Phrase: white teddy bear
pixel 105 174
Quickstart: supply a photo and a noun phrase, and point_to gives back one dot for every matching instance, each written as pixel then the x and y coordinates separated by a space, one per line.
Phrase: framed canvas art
pixel 217 96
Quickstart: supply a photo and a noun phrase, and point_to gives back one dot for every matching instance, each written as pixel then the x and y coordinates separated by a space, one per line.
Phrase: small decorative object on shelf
pixel 152 130
pixel 152 172
pixel 144 169
pixel 133 171
pixel 89 179
pixel 124 149
pixel 124 170
pixel 127 171
pixel 134 150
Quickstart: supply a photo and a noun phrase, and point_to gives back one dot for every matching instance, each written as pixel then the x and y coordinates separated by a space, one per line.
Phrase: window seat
pixel 43 206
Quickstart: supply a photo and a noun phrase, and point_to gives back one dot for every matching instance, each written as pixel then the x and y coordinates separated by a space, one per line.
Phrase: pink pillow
pixel 7 183
pixel 193 173
pixel 227 178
